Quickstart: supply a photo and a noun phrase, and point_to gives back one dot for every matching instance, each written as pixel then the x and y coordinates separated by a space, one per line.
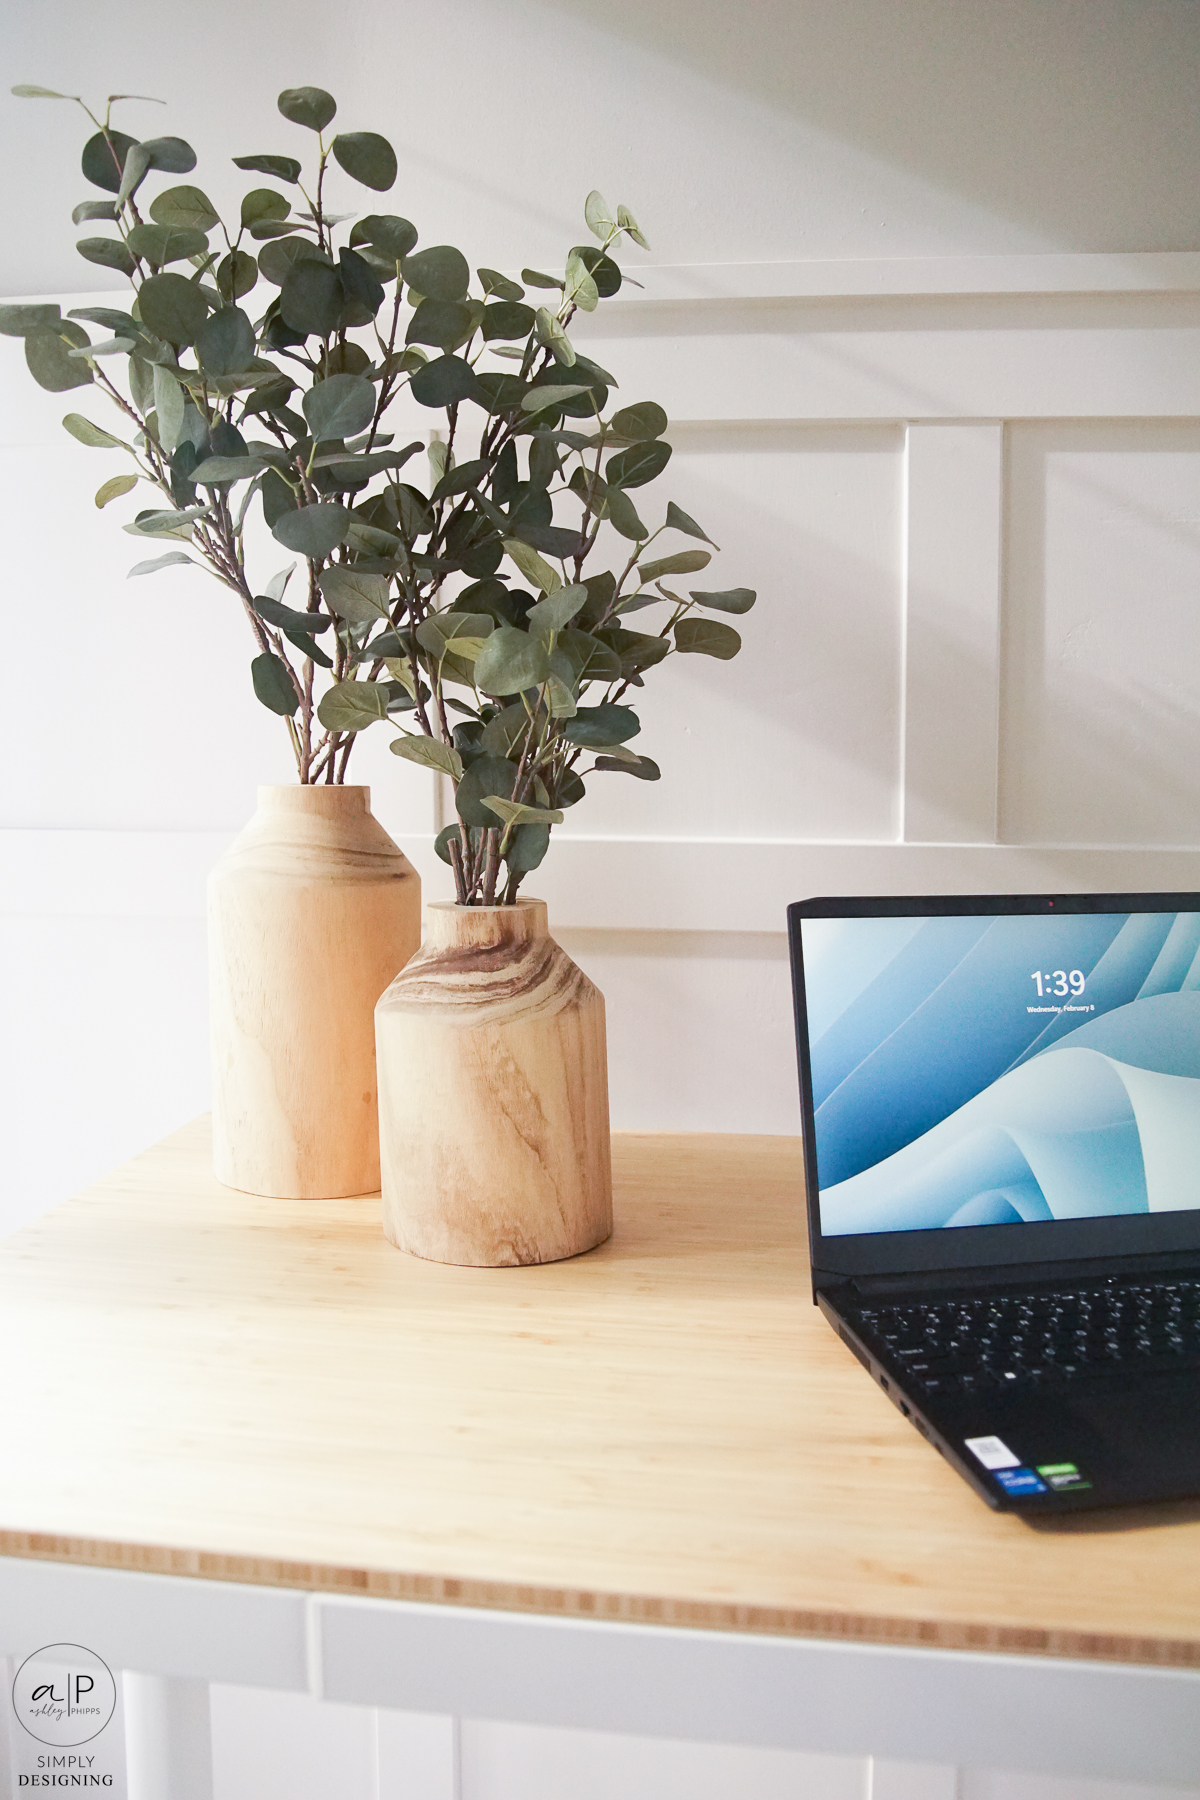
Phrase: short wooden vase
pixel 493 1094
pixel 311 911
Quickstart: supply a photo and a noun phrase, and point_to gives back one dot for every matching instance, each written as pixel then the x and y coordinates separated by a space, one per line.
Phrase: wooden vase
pixel 493 1094
pixel 311 911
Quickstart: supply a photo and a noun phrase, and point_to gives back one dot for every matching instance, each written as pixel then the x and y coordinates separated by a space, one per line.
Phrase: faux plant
pixel 469 612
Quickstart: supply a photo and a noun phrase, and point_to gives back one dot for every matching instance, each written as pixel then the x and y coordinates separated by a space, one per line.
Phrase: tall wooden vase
pixel 493 1094
pixel 311 911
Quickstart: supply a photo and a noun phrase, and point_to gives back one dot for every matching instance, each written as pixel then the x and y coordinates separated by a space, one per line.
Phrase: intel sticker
pixel 1019 1481
pixel 992 1453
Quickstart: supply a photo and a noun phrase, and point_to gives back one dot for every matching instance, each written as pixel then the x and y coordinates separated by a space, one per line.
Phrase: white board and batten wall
pixel 967 490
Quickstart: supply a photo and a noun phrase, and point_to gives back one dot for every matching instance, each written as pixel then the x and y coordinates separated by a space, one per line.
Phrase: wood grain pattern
pixel 493 1094
pixel 666 1430
pixel 311 911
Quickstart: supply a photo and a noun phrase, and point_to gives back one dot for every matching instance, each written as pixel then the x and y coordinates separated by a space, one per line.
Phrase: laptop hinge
pixel 931 1281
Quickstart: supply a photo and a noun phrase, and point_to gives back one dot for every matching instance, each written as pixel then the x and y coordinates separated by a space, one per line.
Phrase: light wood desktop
pixel 665 1431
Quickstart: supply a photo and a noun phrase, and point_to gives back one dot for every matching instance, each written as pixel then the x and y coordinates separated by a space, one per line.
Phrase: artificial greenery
pixel 465 615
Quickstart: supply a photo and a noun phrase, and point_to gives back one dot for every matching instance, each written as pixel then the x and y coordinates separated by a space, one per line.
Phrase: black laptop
pixel 1001 1106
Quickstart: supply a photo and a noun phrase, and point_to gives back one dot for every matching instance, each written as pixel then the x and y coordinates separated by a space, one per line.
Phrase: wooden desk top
pixel 665 1430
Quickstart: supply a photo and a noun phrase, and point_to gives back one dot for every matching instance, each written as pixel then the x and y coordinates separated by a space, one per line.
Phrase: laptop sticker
pixel 991 1452
pixel 1062 1476
pixel 1019 1481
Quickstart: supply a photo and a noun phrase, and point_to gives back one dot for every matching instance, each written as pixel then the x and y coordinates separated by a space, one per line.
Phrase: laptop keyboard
pixel 1038 1338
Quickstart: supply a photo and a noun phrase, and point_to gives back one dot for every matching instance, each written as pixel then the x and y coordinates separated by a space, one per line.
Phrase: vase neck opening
pixel 448 925
pixel 315 801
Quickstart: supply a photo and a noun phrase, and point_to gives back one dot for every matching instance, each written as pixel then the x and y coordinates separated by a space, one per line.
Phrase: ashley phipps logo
pixel 64 1694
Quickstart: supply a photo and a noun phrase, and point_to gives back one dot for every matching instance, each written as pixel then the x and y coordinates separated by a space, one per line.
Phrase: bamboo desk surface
pixel 666 1430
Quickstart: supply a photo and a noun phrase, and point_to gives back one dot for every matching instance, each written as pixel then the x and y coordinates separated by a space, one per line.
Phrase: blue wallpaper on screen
pixel 948 1092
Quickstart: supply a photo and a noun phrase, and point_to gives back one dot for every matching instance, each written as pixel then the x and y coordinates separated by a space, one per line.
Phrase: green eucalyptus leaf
pixel 443 323
pixel 115 346
pixel 223 471
pixel 160 562
pixel 493 282
pixel 312 298
pixel 110 253
pixel 17 321
pixel 532 566
pixel 458 633
pixel 558 610
pixel 507 319
pixel 678 520
pixel 339 406
pixel 225 343
pixel 431 753
pixel 619 509
pixel 284 168
pixel 237 275
pixel 514 812
pixel 597 727
pixel 48 354
pixel 313 531
pixel 88 210
pixel 264 203
pixel 439 273
pixel 535 278
pixel 444 382
pixel 526 848
pixel 114 487
pixel 103 159
pixel 511 661
pixel 286 618
pixel 25 90
pixel 309 106
pixel 507 734
pixel 551 333
pixel 93 435
pixel 629 224
pixel 367 158
pixel 463 476
pixel 539 398
pixel 684 562
pixel 360 282
pixel 640 423
pixel 360 599
pixel 707 637
pixel 590 659
pixel 389 235
pixel 493 775
pixel 274 685
pixel 580 288
pixel 637 650
pixel 353 705
pixel 173 308
pixel 730 600
pixel 638 465
pixel 603 270
pixel 599 215
pixel 159 244
pixel 169 406
pixel 276 261
pixel 644 767
pixel 184 209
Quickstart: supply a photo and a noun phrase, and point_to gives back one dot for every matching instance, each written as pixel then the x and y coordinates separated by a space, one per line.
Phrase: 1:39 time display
pixel 1058 983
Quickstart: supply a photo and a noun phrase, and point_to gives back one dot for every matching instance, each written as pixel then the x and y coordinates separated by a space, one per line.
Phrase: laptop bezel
pixel 973 1247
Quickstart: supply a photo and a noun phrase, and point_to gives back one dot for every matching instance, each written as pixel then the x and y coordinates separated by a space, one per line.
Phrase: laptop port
pixel 904 1409
pixel 885 1384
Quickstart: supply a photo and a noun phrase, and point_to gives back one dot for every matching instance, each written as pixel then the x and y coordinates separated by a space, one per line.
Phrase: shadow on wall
pixel 1075 122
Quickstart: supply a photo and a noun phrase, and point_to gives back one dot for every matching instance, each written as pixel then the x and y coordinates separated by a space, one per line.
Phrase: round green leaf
pixel 440 273
pixel 644 767
pixel 638 465
pixel 603 270
pixel 16 321
pixel 499 286
pixel 237 274
pixel 264 203
pixel 507 319
pixel 511 661
pixel 599 215
pixel 360 280
pixel 367 158
pixel 274 685
pixel 48 354
pixel 526 848
pixel 684 562
pixel 313 530
pixel 103 159
pixel 392 236
pixel 360 599
pixel 640 423
pixel 94 209
pixel 172 154
pixel 276 261
pixel 339 407
pixel 730 600
pixel 310 106
pixel 598 727
pixel 353 705
pixel 110 253
pixel 184 209
pixel 445 381
pixel 443 323
pixel 486 775
pixel 173 308
pixel 159 244
pixel 620 510
pixel 284 168
pixel 312 298
pixel 92 435
pixel 707 637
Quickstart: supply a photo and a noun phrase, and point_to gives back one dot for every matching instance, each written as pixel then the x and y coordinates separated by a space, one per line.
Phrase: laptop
pixel 1001 1118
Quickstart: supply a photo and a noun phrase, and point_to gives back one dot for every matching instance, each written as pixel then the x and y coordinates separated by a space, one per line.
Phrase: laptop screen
pixel 969 1069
